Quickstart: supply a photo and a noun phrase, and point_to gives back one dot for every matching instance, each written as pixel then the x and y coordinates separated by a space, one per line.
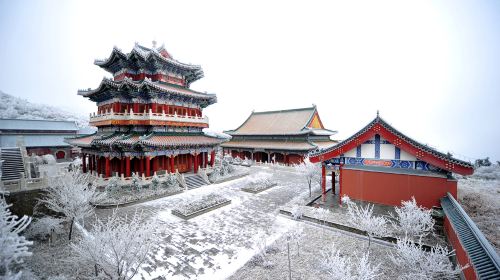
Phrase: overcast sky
pixel 432 68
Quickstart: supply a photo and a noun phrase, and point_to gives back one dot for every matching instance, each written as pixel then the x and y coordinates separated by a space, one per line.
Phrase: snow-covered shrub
pixel 71 195
pixel 491 172
pixel 44 227
pixel 411 220
pixel 258 182
pixel 118 245
pixel 482 162
pixel 77 161
pixel 321 214
pixel 13 246
pixel 155 182
pixel 310 171
pixel 295 234
pixel 170 181
pixel 48 159
pixel 362 218
pixel 135 182
pixel 38 160
pixel 113 186
pixel 206 201
pixel 297 212
pixel 413 262
pixel 214 176
pixel 237 161
pixel 261 258
pixel 340 267
pixel 247 162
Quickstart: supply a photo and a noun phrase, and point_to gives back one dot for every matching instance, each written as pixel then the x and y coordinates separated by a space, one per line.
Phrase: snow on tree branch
pixel 362 218
pixel 71 195
pixel 118 246
pixel 412 220
pixel 416 264
pixel 13 247
pixel 310 171
pixel 340 267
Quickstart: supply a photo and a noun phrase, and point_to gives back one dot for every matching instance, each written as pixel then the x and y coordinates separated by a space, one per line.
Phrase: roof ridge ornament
pixel 378 114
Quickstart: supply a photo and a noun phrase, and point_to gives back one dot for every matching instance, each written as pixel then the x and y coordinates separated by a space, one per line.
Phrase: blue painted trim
pixel 358 151
pixel 397 153
pixel 377 146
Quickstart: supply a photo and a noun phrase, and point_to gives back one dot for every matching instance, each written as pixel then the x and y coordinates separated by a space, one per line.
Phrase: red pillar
pixel 190 161
pixel 340 183
pixel 127 167
pixel 98 165
pixel 205 161
pixel 148 162
pixel 212 158
pixel 155 164
pixel 172 168
pixel 141 166
pixel 165 163
pixel 84 163
pixel 195 163
pixel 91 164
pixel 153 107
pixel 135 108
pixel 333 183
pixel 107 168
pixel 323 179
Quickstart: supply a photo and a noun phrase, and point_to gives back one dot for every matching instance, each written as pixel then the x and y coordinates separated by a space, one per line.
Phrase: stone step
pixel 194 182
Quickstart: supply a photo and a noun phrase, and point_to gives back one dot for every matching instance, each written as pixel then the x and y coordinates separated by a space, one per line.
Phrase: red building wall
pixel 391 189
pixel 462 256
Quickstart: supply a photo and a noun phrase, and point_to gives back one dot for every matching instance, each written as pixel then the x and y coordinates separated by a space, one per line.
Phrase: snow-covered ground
pixel 479 195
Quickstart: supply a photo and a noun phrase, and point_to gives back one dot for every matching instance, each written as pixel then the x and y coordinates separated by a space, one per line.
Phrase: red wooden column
pixel 153 107
pixel 127 167
pixel 172 167
pixel 155 165
pixel 141 166
pixel 205 160
pixel 91 164
pixel 195 163
pixel 84 163
pixel 98 165
pixel 333 183
pixel 135 108
pixel 212 158
pixel 323 179
pixel 165 163
pixel 107 168
pixel 148 163
pixel 190 161
pixel 340 183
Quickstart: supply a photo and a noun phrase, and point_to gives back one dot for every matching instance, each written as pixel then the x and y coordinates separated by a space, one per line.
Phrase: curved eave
pixel 421 152
pixel 144 86
pixel 116 54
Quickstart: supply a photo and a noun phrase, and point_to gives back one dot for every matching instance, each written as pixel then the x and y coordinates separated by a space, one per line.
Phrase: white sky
pixel 431 68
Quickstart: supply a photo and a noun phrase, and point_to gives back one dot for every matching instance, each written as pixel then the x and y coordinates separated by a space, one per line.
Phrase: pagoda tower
pixel 148 118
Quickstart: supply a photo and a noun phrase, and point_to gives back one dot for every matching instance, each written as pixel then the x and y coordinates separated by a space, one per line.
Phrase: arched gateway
pixel 148 118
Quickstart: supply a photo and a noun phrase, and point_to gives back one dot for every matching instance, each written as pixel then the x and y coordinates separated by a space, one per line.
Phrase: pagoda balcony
pixel 146 118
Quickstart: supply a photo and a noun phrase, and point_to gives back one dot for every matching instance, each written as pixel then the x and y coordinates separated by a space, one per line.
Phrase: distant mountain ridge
pixel 12 107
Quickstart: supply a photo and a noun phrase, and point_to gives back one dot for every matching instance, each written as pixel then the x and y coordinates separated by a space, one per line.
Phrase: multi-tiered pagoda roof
pixel 147 112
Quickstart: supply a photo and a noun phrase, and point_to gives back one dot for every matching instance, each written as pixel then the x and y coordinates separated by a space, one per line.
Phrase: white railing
pixel 146 116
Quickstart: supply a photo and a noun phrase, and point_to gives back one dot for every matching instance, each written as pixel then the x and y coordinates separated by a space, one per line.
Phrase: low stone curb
pixel 199 212
pixel 348 228
pixel 231 178
pixel 258 191
pixel 108 206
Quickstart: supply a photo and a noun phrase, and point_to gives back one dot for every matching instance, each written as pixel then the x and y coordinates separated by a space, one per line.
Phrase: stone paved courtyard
pixel 214 245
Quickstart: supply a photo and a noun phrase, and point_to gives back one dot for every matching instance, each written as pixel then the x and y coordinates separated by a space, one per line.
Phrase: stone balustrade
pixel 147 116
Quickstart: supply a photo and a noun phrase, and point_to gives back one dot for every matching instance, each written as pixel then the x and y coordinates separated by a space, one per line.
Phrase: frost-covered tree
pixel 310 171
pixel 116 246
pixel 71 195
pixel 362 218
pixel 340 267
pixel 414 263
pixel 155 182
pixel 13 246
pixel 113 186
pixel 483 162
pixel 411 220
pixel 321 214
pixel 297 212
pixel 135 182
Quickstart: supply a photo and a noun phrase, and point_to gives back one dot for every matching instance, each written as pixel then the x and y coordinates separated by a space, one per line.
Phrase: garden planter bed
pixel 135 201
pixel 198 207
pixel 257 189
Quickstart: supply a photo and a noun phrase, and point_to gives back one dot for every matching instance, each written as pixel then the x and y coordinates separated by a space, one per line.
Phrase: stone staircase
pixel 194 181
pixel 12 164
